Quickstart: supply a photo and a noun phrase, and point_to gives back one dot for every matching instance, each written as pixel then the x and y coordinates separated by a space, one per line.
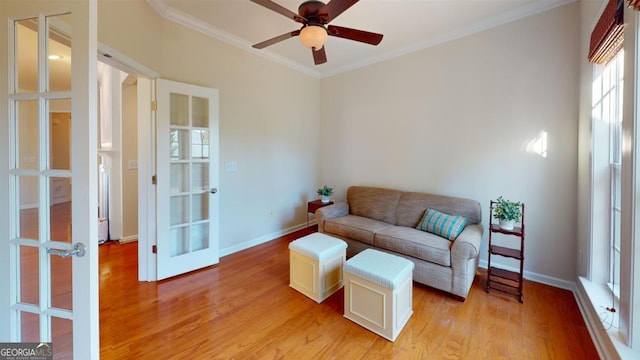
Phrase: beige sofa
pixel 386 219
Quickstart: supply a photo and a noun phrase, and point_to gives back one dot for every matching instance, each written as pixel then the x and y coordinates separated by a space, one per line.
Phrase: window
pixel 200 144
pixel 607 155
pixel 614 92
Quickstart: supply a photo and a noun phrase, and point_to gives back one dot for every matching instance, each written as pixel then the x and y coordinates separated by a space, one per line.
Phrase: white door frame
pixel 146 156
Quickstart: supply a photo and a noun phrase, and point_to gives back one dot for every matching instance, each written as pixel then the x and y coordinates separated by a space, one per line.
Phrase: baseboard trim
pixel 128 239
pixel 539 278
pixel 261 240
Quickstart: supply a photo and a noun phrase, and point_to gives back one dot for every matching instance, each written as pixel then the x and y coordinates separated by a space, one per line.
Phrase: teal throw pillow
pixel 441 224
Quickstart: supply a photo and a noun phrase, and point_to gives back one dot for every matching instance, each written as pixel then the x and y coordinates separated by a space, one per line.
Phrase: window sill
pixel 594 299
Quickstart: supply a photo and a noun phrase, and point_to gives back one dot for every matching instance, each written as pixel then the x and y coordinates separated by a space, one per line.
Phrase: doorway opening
pixel 117 155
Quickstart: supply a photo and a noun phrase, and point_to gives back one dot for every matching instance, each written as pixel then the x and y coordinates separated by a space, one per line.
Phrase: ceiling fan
pixel 315 17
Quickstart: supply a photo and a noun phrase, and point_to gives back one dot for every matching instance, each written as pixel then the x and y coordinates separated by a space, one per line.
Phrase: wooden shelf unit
pixel 503 280
pixel 314 205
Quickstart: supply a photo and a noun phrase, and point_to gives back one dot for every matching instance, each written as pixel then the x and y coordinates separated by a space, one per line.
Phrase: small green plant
pixel 507 210
pixel 325 191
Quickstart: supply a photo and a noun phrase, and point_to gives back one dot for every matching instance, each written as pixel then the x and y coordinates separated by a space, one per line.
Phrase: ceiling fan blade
pixel 333 9
pixel 281 10
pixel 354 34
pixel 319 56
pixel 276 39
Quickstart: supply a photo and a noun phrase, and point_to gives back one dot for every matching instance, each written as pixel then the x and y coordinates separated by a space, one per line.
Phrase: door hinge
pixel 154 249
pixel 154 180
pixel 154 105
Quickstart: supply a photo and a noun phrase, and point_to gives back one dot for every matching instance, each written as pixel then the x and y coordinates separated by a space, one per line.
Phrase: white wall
pixel 459 119
pixel 269 119
pixel 129 153
pixel 589 14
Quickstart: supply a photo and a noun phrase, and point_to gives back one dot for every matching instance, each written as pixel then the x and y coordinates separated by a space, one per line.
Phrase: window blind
pixel 608 34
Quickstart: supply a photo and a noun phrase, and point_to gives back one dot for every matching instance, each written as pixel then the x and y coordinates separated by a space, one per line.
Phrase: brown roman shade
pixel 607 36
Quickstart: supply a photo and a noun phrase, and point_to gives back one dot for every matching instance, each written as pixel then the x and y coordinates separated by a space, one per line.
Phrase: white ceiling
pixel 407 25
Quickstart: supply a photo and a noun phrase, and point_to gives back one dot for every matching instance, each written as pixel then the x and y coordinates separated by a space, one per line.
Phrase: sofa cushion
pixel 415 243
pixel 354 227
pixel 412 206
pixel 373 203
pixel 441 224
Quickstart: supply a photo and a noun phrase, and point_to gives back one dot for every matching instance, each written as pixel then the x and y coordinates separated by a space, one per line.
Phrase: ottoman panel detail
pixel 378 292
pixel 315 265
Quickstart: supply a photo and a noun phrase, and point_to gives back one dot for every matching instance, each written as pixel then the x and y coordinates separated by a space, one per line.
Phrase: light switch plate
pixel 230 166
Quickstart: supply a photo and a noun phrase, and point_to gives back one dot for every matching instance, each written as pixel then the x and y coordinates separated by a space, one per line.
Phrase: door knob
pixel 213 190
pixel 78 249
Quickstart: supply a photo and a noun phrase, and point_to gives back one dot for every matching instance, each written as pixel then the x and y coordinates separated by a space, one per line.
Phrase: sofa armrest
pixel 467 245
pixel 465 259
pixel 330 212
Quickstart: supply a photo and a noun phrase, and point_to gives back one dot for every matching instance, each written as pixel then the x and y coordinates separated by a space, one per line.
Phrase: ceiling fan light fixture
pixel 313 36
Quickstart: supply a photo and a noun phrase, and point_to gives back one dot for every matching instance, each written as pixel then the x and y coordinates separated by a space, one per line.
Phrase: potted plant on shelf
pixel 325 193
pixel 507 213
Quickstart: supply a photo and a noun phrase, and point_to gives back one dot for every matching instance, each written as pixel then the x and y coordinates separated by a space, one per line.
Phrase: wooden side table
pixel 314 205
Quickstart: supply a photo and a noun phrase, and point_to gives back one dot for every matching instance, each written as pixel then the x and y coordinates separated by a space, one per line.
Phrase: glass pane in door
pixel 199 237
pixel 200 177
pixel 26 73
pixel 28 134
pixel 179 178
pixel 59 53
pixel 30 326
pixel 200 207
pixel 60 210
pixel 179 209
pixel 179 241
pixel 200 109
pixel 29 275
pixel 179 110
pixel 27 196
pixel 179 144
pixel 61 291
pixel 200 144
pixel 60 134
pixel 62 338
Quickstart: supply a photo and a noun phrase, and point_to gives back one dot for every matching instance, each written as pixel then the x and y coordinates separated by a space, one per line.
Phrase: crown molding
pixel 530 9
pixel 198 25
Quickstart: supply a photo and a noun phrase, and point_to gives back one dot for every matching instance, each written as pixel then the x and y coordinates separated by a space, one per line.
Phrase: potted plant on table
pixel 325 193
pixel 507 213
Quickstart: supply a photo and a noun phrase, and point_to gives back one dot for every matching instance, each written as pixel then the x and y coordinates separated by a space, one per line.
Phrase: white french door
pixel 187 178
pixel 48 176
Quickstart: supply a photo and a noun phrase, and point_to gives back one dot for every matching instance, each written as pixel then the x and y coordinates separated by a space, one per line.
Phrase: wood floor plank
pixel 243 308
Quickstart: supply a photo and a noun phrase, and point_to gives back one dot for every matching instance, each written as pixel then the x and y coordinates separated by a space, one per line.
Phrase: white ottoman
pixel 378 291
pixel 315 265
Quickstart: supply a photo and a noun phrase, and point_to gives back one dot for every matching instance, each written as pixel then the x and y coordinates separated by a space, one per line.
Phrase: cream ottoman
pixel 378 291
pixel 315 265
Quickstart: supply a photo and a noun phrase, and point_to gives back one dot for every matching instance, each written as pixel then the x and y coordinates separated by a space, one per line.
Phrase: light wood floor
pixel 243 308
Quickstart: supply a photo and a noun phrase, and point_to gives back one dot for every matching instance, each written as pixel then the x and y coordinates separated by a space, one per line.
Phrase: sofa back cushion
pixel 374 203
pixel 412 206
